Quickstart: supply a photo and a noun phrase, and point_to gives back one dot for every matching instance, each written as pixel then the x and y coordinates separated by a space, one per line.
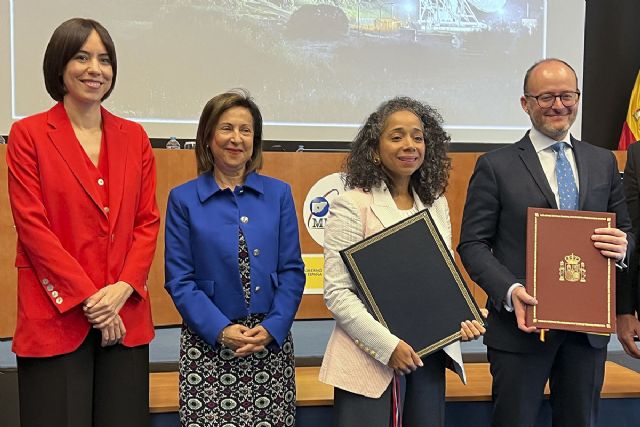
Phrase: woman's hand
pixel 233 336
pixel 103 306
pixel 244 341
pixel 113 333
pixel 258 337
pixel 404 360
pixel 471 330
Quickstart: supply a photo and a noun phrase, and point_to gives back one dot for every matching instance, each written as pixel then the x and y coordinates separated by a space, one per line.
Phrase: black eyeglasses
pixel 546 100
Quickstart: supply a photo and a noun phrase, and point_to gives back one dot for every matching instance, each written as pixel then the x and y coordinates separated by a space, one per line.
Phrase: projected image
pixel 305 61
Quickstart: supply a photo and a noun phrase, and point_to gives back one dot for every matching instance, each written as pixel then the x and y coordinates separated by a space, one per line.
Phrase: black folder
pixel 410 283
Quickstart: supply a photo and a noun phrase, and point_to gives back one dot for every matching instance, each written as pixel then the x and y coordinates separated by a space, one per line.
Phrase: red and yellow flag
pixel 631 126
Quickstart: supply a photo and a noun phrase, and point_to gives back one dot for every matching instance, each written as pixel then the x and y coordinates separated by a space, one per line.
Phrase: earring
pixel 376 160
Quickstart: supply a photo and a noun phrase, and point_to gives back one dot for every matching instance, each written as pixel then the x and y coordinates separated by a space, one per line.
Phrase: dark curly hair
pixel 429 181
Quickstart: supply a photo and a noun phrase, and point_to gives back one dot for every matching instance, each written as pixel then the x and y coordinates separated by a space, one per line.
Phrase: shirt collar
pixel 207 185
pixel 541 141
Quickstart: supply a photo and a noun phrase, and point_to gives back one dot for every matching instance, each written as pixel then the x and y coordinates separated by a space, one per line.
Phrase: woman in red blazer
pixel 82 191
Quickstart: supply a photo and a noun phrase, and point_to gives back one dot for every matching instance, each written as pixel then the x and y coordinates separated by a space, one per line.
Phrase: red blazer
pixel 68 246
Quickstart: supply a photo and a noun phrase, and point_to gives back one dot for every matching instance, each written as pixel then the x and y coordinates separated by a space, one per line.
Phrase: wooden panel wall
pixel 302 170
pixel 8 273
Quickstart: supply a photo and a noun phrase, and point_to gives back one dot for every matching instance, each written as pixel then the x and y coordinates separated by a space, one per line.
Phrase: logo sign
pixel 317 204
pixel 314 271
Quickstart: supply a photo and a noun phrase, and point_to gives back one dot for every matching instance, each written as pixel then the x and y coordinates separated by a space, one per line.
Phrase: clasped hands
pixel 405 360
pixel 101 310
pixel 243 340
pixel 611 242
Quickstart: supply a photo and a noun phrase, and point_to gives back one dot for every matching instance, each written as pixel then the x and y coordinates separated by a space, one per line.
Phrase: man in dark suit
pixel 628 326
pixel 547 168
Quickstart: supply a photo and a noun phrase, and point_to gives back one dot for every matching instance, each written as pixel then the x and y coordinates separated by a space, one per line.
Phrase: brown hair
pixel 209 118
pixel 65 42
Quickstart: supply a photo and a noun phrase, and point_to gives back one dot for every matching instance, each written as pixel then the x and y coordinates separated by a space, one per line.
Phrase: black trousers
pixel 575 371
pixel 92 386
pixel 422 391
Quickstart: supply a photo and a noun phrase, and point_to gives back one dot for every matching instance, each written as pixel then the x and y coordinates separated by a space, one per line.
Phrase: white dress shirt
pixel 542 144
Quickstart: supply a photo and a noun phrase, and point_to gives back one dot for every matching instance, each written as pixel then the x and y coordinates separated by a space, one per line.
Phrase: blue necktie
pixel 567 190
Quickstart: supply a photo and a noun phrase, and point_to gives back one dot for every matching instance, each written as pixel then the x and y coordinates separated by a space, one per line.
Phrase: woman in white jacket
pixel 398 165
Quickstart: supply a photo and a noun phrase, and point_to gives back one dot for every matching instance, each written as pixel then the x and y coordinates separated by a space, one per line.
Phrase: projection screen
pixel 316 69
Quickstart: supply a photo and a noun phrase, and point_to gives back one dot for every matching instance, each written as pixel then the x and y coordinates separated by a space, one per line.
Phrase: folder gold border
pixel 537 217
pixel 425 217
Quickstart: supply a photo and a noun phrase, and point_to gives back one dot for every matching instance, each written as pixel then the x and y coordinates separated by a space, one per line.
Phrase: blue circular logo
pixel 319 206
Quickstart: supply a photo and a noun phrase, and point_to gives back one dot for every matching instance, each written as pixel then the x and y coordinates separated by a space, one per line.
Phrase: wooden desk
pixel 163 390
pixel 619 382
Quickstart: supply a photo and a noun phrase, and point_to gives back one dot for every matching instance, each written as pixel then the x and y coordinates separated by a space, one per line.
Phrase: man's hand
pixel 611 242
pixel 520 299
pixel 628 327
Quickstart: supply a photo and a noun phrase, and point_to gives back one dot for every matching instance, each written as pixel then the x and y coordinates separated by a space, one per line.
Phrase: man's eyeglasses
pixel 546 100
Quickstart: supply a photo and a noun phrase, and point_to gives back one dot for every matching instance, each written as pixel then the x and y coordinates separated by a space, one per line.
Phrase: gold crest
pixel 636 114
pixel 572 269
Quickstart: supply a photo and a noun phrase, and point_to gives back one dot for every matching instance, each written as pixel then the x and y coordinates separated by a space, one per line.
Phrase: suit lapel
pixel 117 158
pixel 64 139
pixel 582 166
pixel 532 163
pixel 419 205
pixel 383 206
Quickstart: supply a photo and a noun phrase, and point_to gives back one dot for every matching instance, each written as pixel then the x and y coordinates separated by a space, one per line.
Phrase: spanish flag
pixel 631 126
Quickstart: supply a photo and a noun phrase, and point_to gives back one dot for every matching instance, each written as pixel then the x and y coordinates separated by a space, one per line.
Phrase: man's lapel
pixel 532 164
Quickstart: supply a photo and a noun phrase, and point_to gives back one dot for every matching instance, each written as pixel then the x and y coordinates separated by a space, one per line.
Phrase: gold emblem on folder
pixel 572 269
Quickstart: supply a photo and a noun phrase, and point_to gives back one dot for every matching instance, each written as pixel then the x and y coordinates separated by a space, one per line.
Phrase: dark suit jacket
pixel 493 238
pixel 68 246
pixel 632 193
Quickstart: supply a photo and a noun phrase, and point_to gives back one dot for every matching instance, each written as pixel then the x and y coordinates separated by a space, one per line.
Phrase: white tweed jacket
pixel 360 347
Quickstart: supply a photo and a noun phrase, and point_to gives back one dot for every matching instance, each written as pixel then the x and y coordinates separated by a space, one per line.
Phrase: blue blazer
pixel 201 254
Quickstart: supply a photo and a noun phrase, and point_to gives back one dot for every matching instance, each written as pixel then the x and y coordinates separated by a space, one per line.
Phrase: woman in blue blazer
pixel 234 271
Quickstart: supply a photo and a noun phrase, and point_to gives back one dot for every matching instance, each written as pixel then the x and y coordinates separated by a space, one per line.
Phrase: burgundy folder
pixel 572 281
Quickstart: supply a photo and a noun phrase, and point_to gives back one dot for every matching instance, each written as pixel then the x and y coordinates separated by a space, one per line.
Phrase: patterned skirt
pixel 220 390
